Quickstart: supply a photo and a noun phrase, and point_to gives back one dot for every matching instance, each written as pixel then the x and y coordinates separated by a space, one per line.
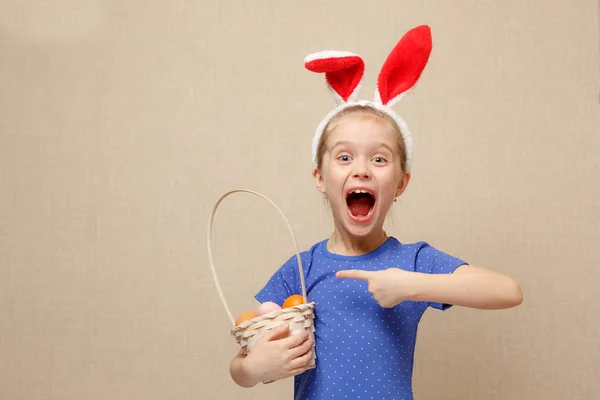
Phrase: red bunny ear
pixel 404 65
pixel 343 71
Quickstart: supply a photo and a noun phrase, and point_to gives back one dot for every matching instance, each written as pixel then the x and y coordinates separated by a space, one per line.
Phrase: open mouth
pixel 360 202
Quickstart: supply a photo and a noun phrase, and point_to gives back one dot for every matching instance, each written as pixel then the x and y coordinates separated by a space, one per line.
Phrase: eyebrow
pixel 339 143
pixel 345 142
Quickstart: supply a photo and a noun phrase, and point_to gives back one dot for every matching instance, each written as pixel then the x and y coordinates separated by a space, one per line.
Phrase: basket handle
pixel 209 243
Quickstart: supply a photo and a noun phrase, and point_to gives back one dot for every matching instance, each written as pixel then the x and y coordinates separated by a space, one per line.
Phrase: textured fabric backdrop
pixel 123 121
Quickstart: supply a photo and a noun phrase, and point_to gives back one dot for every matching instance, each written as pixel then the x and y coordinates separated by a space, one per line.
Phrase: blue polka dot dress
pixel 364 351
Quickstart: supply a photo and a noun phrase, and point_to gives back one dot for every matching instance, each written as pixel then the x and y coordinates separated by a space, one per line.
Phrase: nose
pixel 362 169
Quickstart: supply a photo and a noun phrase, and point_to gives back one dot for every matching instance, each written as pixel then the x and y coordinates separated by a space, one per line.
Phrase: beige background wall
pixel 122 121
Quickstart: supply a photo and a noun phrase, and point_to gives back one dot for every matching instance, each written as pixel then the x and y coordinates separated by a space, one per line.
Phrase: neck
pixel 343 243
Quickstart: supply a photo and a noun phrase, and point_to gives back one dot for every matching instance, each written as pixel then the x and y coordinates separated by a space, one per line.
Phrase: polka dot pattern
pixel 364 351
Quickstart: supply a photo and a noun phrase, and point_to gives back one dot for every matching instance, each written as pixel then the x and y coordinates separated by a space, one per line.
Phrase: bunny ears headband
pixel 400 72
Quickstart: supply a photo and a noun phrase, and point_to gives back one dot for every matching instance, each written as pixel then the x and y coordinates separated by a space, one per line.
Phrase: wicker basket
pixel 298 318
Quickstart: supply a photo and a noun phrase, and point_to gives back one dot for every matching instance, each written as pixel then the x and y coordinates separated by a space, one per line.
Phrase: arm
pixel 468 287
pixel 275 356
pixel 241 376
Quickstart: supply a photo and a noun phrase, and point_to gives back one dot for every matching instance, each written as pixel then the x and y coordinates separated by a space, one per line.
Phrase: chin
pixel 360 232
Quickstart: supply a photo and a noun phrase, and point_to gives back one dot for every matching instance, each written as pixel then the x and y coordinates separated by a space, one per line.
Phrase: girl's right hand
pixel 278 355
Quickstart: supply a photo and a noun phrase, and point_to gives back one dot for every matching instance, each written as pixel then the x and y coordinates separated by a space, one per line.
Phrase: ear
pixel 403 184
pixel 404 66
pixel 319 180
pixel 343 72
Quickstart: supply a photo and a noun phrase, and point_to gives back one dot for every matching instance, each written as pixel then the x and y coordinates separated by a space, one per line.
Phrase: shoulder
pixel 424 257
pixel 431 259
pixel 306 258
pixel 407 249
pixel 286 280
pixel 416 248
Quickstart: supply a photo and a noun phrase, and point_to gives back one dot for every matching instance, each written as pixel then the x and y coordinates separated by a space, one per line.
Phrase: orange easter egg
pixel 293 300
pixel 245 316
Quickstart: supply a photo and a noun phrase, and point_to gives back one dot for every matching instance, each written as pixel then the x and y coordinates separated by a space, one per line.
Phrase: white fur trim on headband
pixel 328 54
pixel 392 102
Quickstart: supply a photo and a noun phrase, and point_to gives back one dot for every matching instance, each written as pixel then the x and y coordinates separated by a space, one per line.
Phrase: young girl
pixel 370 289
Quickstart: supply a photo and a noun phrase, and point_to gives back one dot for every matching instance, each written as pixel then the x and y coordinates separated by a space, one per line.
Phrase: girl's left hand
pixel 389 287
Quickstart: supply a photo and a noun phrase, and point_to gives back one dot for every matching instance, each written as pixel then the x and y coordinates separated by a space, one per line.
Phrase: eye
pixel 379 160
pixel 344 158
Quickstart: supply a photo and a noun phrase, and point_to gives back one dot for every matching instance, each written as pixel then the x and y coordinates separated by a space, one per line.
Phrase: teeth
pixel 359 191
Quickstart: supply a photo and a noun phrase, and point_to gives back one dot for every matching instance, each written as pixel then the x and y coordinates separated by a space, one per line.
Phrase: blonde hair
pixel 366 111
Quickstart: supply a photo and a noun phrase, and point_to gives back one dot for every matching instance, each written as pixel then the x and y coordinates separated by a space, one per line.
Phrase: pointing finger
pixel 354 274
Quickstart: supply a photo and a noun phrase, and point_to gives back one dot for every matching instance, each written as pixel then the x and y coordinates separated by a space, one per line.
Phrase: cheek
pixel 391 177
pixel 333 176
pixel 389 185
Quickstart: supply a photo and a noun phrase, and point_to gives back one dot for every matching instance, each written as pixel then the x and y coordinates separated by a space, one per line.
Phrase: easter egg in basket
pixel 293 300
pixel 267 307
pixel 245 316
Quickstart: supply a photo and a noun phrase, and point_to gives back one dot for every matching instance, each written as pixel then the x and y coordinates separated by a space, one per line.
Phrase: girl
pixel 370 289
